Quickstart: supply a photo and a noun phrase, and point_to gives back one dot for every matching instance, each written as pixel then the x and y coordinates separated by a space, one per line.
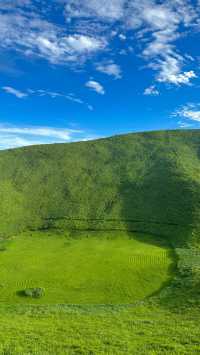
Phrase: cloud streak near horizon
pixel 13 137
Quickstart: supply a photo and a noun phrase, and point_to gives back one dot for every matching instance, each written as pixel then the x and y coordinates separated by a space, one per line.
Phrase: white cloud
pixel 19 94
pixel 89 30
pixel 111 10
pixel 63 49
pixel 12 141
pixel 64 134
pixel 164 22
pixel 30 34
pixel 12 136
pixel 80 43
pixel 111 69
pixel 122 37
pixel 157 25
pixel 151 91
pixel 189 112
pixel 9 4
pixel 170 72
pixel 95 86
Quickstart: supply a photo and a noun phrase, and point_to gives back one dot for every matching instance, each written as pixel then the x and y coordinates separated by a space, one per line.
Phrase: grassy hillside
pixel 111 239
pixel 147 182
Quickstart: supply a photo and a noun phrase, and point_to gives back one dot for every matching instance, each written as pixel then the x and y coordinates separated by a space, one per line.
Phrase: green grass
pixel 129 297
pixel 147 182
pixel 88 268
pixel 141 330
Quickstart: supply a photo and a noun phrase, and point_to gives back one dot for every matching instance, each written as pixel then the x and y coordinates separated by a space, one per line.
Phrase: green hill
pixel 146 182
pixel 99 246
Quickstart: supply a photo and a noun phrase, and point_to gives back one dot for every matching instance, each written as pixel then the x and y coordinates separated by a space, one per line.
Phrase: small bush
pixel 37 292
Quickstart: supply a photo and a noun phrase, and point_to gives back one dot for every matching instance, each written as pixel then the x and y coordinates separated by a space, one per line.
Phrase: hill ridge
pixel 141 177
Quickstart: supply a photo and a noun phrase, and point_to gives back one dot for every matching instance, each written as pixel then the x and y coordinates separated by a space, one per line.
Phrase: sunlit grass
pixel 89 268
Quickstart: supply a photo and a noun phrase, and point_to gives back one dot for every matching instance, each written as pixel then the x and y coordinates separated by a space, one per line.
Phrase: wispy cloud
pixel 19 94
pixel 12 136
pixel 53 94
pixel 155 26
pixel 30 34
pixel 9 4
pixel 64 134
pixel 110 68
pixel 170 72
pixel 122 37
pixel 186 125
pixel 13 141
pixel 95 86
pixel 41 92
pixel 108 10
pixel 190 112
pixel 163 25
pixel 151 91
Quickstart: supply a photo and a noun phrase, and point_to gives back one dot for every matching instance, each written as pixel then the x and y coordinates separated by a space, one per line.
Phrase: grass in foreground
pixel 148 327
pixel 87 268
pixel 142 330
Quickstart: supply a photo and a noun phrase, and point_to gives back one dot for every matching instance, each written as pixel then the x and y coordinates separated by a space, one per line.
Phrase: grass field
pixel 141 264
pixel 86 268
pixel 67 330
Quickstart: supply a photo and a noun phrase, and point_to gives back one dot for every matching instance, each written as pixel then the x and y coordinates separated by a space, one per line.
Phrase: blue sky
pixel 82 69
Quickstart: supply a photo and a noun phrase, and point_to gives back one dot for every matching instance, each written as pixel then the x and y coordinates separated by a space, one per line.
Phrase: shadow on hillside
pixel 171 272
pixel 162 204
pixel 166 202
